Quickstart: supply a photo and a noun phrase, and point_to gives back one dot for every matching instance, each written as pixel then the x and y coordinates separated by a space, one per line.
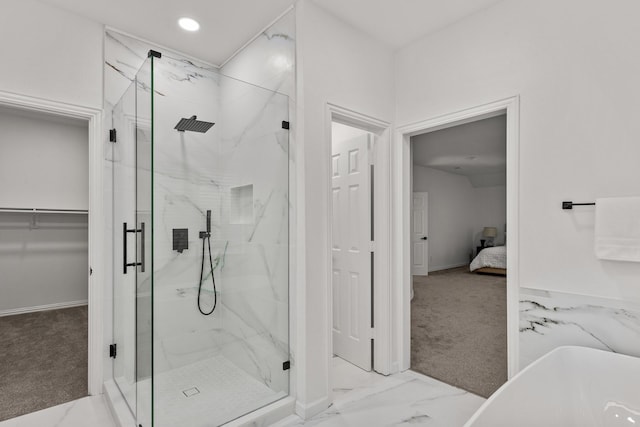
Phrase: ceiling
pixel 226 25
pixel 397 23
pixel 476 150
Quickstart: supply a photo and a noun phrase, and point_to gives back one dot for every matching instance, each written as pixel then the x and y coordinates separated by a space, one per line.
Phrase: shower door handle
pixel 126 264
pixel 141 263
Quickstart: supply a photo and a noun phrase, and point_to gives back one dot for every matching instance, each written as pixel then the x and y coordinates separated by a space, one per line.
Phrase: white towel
pixel 617 233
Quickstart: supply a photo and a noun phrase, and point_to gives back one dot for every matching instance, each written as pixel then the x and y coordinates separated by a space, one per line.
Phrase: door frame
pixel 95 269
pixel 381 154
pixel 401 176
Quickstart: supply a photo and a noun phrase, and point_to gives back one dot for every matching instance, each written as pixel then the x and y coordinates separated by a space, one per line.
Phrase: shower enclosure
pixel 174 365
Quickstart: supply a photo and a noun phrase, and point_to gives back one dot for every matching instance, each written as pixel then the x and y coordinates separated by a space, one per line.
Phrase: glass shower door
pixel 132 334
pixel 123 349
pixel 144 243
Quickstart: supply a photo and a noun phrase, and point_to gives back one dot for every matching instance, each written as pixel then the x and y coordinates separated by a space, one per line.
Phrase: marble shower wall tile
pixel 552 319
pixel 269 60
pixel 258 305
pixel 254 223
pixel 124 55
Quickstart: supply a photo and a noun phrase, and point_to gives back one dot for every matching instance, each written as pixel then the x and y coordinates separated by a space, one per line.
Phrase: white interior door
pixel 419 235
pixel 351 251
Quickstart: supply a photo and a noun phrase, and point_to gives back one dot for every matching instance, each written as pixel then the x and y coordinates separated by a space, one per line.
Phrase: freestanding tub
pixel 569 386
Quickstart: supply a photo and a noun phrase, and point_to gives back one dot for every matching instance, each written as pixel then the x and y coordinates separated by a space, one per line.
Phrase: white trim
pixel 306 411
pixel 45 307
pixel 93 117
pixel 401 177
pixel 382 233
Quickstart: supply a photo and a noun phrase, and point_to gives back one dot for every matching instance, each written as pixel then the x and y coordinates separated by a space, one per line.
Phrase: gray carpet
pixel 43 360
pixel 459 329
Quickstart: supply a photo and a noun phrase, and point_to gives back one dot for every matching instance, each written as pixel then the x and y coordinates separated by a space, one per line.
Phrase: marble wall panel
pixel 551 319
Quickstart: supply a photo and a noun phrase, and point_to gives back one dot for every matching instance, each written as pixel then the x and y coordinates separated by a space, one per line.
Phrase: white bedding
pixel 495 257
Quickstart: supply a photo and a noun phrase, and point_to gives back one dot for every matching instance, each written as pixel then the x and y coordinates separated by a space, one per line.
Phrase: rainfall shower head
pixel 193 125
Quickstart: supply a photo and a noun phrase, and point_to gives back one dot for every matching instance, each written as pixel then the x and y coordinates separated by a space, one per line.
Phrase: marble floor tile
pixel 361 399
pixel 352 383
pixel 88 411
pixel 402 399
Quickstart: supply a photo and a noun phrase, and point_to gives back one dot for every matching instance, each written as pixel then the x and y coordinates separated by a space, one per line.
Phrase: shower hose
pixel 207 237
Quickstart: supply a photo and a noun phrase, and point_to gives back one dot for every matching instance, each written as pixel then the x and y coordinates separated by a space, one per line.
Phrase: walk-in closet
pixel 43 260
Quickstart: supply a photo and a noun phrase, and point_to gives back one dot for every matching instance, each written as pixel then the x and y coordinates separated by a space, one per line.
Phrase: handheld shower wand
pixel 206 238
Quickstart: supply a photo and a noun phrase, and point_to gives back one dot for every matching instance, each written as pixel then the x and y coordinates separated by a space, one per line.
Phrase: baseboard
pixel 58 305
pixel 446 267
pixel 314 408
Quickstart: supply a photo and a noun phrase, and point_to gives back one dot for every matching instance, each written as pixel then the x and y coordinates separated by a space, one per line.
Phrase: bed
pixel 492 260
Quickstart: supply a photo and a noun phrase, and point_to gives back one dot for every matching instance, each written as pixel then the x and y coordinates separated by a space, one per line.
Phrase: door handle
pixel 423 238
pixel 126 264
pixel 142 245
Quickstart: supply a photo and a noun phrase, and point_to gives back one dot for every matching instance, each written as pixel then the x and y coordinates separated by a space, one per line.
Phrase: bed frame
pixel 491 270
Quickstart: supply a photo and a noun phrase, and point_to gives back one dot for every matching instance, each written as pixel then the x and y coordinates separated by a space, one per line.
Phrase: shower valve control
pixel 180 239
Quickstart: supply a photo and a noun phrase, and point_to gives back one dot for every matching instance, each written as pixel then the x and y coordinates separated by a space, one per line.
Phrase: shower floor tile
pixel 224 392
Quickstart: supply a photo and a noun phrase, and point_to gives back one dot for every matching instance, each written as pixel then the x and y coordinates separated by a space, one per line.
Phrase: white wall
pixel 342 66
pixel 43 164
pixel 50 53
pixel 572 64
pixel 490 210
pixel 451 216
pixel 44 161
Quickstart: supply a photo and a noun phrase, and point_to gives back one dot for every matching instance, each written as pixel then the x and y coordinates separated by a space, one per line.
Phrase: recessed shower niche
pixel 171 177
pixel 241 205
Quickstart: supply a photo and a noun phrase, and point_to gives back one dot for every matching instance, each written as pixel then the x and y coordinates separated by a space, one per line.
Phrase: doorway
pixel 44 252
pixel 458 308
pixel 377 234
pixel 94 217
pixel 402 201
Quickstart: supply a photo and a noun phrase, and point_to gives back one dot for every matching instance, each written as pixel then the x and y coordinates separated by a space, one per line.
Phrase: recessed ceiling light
pixel 188 24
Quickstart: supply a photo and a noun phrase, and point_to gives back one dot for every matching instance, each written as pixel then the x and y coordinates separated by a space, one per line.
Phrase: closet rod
pixel 41 210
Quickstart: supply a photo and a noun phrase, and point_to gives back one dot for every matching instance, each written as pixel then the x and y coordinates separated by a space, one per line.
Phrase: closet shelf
pixel 45 211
